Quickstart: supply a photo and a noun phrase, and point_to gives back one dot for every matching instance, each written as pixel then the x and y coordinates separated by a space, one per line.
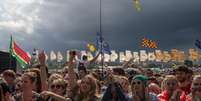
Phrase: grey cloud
pixel 66 24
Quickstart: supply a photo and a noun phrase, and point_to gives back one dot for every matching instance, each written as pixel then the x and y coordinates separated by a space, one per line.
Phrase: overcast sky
pixel 67 24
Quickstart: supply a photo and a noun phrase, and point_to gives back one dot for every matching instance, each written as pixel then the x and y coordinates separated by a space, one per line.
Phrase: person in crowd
pixel 154 88
pixel 140 91
pixel 5 93
pixel 9 78
pixel 195 94
pixel 38 79
pixel 86 90
pixel 57 91
pixel 183 75
pixel 170 90
pixel 82 71
pixel 85 60
pixel 56 83
pixel 125 85
pixel 28 84
pixel 18 85
pixel 114 90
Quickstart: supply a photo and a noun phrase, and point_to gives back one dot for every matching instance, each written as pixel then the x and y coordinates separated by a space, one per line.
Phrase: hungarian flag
pixel 21 56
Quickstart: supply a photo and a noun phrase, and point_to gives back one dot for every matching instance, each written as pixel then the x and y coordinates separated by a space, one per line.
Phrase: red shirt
pixel 186 89
pixel 165 97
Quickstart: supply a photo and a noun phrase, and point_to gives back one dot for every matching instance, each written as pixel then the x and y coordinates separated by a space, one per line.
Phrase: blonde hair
pixel 54 77
pixel 31 75
pixel 164 82
pixel 93 90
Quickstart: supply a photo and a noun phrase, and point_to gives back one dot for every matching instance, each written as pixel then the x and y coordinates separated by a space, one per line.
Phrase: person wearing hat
pixel 184 77
pixel 139 89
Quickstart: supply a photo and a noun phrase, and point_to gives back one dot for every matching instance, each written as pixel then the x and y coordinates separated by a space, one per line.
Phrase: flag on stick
pixel 21 56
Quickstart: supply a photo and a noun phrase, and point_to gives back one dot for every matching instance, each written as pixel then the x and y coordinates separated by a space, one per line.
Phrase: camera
pixel 73 52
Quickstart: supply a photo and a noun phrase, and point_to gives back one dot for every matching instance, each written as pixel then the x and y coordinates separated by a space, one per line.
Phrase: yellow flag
pixel 91 47
pixel 137 5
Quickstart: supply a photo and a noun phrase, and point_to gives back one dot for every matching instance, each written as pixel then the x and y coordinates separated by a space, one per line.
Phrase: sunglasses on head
pixel 55 86
pixel 138 82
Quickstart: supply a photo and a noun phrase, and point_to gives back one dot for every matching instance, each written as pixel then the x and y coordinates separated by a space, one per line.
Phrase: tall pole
pixel 102 54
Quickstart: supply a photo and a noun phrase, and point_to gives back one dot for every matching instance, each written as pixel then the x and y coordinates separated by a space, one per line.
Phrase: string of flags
pixel 149 43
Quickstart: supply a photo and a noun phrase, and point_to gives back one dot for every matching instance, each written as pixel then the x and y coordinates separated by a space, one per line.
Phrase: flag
pixel 198 43
pixel 105 46
pixel 91 47
pixel 59 56
pixel 137 5
pixel 53 56
pixel 21 56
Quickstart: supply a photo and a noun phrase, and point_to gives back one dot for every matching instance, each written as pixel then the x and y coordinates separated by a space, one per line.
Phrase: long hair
pixel 1 94
pixel 92 91
pixel 164 82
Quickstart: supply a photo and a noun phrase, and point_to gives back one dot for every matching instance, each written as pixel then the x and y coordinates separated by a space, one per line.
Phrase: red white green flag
pixel 21 56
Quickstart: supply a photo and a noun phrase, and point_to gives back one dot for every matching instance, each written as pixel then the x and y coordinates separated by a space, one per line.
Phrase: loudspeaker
pixel 7 61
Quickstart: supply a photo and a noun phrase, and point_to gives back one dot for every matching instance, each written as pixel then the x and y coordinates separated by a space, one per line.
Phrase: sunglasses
pixel 138 82
pixel 197 84
pixel 55 86
pixel 171 83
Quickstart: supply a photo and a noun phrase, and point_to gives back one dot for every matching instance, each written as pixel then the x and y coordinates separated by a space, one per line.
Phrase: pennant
pixel 136 57
pixel 59 56
pixel 143 55
pixel 53 56
pixel 113 56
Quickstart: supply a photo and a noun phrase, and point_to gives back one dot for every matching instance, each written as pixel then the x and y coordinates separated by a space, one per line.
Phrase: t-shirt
pixel 35 97
pixel 186 89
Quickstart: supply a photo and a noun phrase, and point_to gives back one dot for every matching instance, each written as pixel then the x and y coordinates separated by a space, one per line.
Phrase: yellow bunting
pixel 193 55
pixel 166 56
pixel 181 56
pixel 174 54
pixel 159 55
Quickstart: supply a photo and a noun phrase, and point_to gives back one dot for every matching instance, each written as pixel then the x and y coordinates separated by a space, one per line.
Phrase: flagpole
pixel 102 54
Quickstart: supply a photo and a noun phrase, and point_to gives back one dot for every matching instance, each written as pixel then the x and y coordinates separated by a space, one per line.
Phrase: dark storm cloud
pixel 66 24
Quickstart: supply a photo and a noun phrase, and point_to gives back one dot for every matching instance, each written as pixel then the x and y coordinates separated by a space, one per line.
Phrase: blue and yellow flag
pixel 91 47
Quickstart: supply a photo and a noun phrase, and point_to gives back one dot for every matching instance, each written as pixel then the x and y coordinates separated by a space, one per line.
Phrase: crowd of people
pixel 79 83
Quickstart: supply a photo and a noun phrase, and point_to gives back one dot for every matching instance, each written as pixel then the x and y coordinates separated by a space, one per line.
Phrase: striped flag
pixel 21 56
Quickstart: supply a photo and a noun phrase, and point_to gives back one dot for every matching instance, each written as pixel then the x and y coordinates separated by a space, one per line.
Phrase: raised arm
pixel 56 97
pixel 43 71
pixel 71 72
pixel 95 58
